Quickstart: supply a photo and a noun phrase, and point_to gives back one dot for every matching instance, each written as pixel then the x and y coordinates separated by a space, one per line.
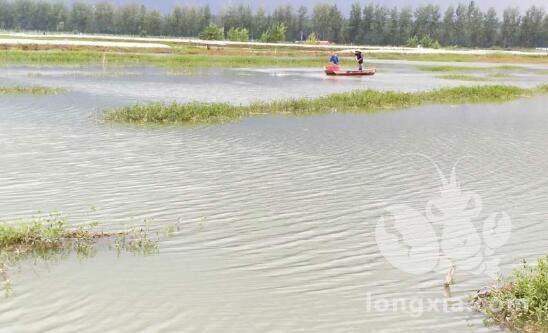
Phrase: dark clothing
pixel 334 60
pixel 359 58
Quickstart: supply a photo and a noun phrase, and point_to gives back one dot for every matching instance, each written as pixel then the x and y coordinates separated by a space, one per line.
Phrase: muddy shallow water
pixel 277 215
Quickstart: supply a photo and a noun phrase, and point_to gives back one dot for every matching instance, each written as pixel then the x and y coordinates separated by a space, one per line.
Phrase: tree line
pixel 465 25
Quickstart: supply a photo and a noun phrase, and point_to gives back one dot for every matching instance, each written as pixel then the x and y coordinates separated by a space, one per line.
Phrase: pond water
pixel 277 215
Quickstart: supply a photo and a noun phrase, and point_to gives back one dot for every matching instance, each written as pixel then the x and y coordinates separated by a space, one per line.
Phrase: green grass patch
pixel 357 101
pixel 447 68
pixel 463 77
pixel 487 58
pixel 173 60
pixel 499 75
pixel 198 56
pixel 30 90
pixel 49 238
pixel 520 302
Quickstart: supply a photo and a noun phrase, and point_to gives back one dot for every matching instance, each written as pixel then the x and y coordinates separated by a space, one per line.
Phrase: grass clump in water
pixel 49 238
pixel 445 69
pixel 521 302
pixel 138 241
pixel 30 90
pixel 176 113
pixel 463 77
pixel 357 101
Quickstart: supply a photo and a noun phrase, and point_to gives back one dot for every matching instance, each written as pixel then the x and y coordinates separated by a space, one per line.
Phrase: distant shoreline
pixel 17 38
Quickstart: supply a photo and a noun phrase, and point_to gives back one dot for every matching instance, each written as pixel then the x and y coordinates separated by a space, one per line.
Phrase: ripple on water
pixel 276 215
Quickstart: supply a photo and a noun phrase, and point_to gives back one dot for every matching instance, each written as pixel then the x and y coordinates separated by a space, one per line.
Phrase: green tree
pixel 405 25
pixel 367 23
pixel 302 19
pixel 312 39
pixel 510 27
pixel 61 16
pixel 6 14
pixel 274 34
pixel 426 42
pixel 237 16
pixel 104 18
pixel 238 35
pixel 490 28
pixel 174 22
pixel 81 17
pixel 448 29
pixel 460 25
pixel 335 24
pixel 41 16
pixel 127 19
pixel 474 22
pixel 393 37
pixel 463 25
pixel 353 30
pixel 212 32
pixel 427 21
pixel 260 23
pixel 531 27
pixel 327 22
pixel 545 32
pixel 153 22
pixel 284 15
pixel 379 25
pixel 21 17
pixel 412 42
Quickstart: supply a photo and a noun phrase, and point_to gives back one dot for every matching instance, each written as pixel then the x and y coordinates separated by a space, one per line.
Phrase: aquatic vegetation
pixel 176 113
pixel 492 76
pixel 499 75
pixel 199 56
pixel 463 77
pixel 449 68
pixel 485 58
pixel 520 302
pixel 138 240
pixel 170 60
pixel 357 101
pixel 30 90
pixel 49 238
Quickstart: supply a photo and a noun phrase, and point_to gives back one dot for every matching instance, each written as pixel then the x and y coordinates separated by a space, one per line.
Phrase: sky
pixel 344 5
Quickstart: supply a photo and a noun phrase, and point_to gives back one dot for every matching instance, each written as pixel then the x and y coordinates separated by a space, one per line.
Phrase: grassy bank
pixel 50 238
pixel 30 90
pixel 199 56
pixel 174 60
pixel 358 101
pixel 499 58
pixel 520 302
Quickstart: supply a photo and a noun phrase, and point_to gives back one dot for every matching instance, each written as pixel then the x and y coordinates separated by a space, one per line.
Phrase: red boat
pixel 335 70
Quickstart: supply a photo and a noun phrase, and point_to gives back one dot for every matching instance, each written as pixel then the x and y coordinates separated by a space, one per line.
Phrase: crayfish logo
pixel 411 243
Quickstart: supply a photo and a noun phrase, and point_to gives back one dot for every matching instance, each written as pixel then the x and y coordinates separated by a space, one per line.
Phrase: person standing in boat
pixel 334 60
pixel 359 59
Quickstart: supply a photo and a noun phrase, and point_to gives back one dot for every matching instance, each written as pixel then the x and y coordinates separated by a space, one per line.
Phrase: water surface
pixel 276 214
